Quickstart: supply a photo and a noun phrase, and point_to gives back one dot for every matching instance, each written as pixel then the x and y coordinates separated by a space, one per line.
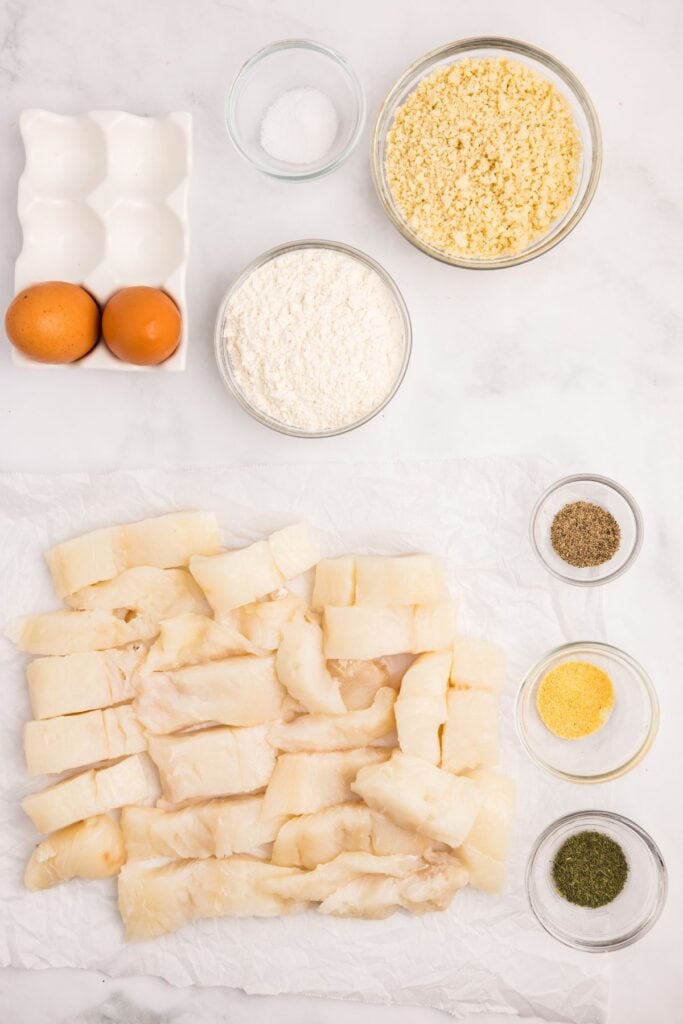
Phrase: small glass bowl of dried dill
pixel 596 881
pixel 586 530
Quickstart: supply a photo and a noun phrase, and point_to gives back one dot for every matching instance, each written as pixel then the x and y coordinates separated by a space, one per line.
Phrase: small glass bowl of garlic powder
pixel 313 339
pixel 587 712
pixel 295 110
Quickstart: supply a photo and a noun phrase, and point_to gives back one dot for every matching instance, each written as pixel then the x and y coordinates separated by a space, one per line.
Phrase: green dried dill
pixel 590 869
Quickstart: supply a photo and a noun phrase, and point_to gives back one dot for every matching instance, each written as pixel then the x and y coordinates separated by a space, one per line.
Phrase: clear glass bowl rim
pixel 234 91
pixel 636 933
pixel 417 70
pixel 605 481
pixel 609 650
pixel 223 359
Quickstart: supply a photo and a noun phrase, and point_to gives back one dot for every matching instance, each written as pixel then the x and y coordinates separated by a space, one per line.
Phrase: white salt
pixel 300 126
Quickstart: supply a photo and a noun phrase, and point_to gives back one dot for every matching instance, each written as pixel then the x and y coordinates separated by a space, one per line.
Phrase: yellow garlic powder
pixel 575 699
pixel 483 157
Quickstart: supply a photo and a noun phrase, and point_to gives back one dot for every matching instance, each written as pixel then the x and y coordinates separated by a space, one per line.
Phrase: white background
pixel 575 356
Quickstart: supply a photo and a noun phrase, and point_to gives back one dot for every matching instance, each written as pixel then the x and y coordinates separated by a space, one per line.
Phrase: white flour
pixel 315 339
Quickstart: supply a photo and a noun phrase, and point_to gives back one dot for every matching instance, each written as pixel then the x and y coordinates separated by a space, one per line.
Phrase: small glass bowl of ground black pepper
pixel 586 530
pixel 587 712
pixel 596 881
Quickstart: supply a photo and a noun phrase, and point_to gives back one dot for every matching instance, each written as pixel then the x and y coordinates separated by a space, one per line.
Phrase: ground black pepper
pixel 584 534
pixel 590 869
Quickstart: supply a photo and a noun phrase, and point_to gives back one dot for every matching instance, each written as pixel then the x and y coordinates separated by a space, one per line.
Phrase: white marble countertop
pixel 575 356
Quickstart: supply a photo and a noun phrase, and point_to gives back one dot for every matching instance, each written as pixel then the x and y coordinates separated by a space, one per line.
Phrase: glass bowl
pixel 621 922
pixel 562 78
pixel 598 490
pixel 222 353
pixel 621 743
pixel 277 69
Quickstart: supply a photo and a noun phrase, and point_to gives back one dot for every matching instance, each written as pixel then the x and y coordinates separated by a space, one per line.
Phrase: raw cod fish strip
pixel 334 583
pixel 73 683
pixel 421 708
pixel 301 668
pixel 303 783
pixel 337 732
pixel 156 900
pixel 214 762
pixel 399 580
pixel 215 828
pixel 477 663
pixel 364 632
pixel 237 691
pixel 418 795
pixel 373 896
pixel 166 542
pixel 96 791
pixel 325 879
pixel 72 741
pixel 312 839
pixel 191 639
pixel 76 632
pixel 88 849
pixel 155 594
pixel 235 578
pixel 471 735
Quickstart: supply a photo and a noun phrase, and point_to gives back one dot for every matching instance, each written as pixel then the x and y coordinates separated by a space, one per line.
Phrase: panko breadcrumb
pixel 483 157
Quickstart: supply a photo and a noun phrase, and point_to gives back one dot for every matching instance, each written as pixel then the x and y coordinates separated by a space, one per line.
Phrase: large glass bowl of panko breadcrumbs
pixel 486 153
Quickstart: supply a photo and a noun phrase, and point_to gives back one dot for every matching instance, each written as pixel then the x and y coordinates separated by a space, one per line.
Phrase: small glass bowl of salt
pixel 295 110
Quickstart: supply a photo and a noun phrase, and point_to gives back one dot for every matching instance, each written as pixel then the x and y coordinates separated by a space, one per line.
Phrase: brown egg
pixel 53 322
pixel 141 325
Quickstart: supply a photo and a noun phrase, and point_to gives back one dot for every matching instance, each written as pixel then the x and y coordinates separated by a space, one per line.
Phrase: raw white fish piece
pixel 262 621
pixel 434 626
pixel 337 732
pixel 334 583
pixel 484 872
pixel 236 578
pixel 302 783
pixel 402 580
pixel 71 741
pixel 492 829
pixel 325 879
pixel 69 632
pixel 294 549
pixel 376 896
pixel 156 900
pixel 359 681
pixel 477 663
pixel 312 839
pixel 418 795
pixel 214 828
pixel 301 668
pixel 88 849
pixel 72 683
pixel 421 706
pixel 236 691
pixel 155 594
pixel 131 781
pixel 165 542
pixel 366 633
pixel 191 639
pixel 471 734
pixel 213 762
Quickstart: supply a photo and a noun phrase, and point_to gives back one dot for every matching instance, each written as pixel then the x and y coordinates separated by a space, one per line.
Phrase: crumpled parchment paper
pixel 486 954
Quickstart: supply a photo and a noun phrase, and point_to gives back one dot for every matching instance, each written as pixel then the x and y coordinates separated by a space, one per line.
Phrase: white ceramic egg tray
pixel 103 203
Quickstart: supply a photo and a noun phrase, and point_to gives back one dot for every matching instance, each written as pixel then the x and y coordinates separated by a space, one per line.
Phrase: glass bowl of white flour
pixel 313 339
pixel 295 110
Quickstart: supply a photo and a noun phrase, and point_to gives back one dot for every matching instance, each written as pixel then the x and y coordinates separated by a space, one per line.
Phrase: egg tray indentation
pixel 102 203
